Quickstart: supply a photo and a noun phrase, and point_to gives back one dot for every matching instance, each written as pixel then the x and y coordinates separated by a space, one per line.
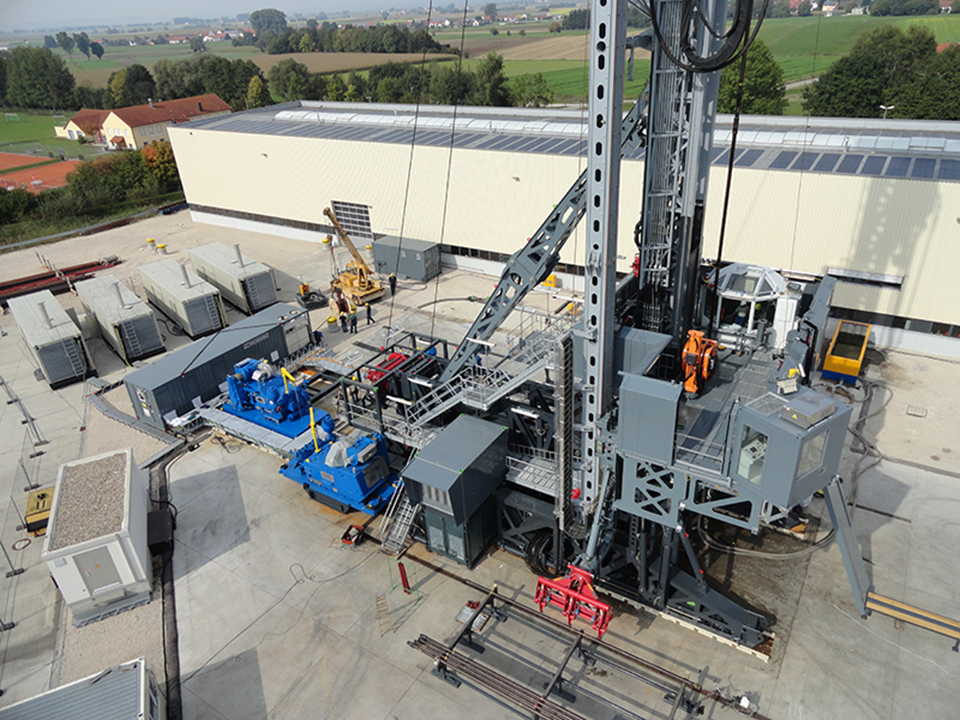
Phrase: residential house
pixel 86 123
pixel 139 125
pixel 946 7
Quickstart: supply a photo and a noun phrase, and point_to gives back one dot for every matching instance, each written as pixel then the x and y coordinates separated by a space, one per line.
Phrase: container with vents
pixel 52 338
pixel 246 283
pixel 126 322
pixel 184 297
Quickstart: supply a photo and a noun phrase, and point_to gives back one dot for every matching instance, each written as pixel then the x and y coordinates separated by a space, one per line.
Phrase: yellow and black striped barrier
pixel 915 616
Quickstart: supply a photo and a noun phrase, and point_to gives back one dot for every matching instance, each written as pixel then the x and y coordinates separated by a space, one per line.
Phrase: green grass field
pixel 34 133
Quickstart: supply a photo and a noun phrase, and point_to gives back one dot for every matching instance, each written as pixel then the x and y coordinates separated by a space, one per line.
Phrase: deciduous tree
pixel 132 85
pixel 288 80
pixel 257 93
pixel 160 163
pixel 878 64
pixel 82 41
pixel 268 20
pixel 763 90
pixel 97 49
pixel 531 90
pixel 36 78
pixel 66 42
pixel 492 86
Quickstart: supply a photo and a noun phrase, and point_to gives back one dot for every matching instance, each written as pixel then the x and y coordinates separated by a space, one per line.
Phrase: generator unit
pixel 194 374
pixel 96 541
pixel 126 322
pixel 453 478
pixel 184 297
pixel 53 339
pixel 260 394
pixel 416 259
pixel 344 473
pixel 242 281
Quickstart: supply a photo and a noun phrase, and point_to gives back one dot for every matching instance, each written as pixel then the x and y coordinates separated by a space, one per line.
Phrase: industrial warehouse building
pixel 875 202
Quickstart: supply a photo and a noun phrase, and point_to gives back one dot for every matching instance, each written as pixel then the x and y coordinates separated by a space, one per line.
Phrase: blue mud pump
pixel 342 474
pixel 259 394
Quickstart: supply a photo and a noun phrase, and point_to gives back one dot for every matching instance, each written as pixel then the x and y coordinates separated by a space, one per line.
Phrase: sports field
pixel 8 161
pixel 38 179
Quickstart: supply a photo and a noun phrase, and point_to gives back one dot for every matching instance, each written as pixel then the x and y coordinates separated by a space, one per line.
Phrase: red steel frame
pixel 575 597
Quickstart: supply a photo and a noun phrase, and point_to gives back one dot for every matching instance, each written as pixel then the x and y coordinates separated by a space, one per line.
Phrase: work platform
pixel 703 421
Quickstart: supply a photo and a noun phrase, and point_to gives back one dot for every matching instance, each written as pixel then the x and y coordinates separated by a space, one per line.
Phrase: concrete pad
pixel 348 681
pixel 213 605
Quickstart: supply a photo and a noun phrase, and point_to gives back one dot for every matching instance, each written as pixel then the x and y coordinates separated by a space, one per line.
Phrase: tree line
pixel 890 67
pixel 436 83
pixel 96 188
pixel 36 78
pixel 77 41
pixel 274 36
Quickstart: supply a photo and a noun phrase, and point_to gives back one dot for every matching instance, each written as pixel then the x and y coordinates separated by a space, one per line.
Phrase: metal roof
pixel 917 149
pixel 225 259
pixel 33 323
pixel 172 366
pixel 113 694
pixel 169 274
pixel 111 301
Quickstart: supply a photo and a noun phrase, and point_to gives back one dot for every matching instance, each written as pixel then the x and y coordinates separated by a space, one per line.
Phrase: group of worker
pixel 348 322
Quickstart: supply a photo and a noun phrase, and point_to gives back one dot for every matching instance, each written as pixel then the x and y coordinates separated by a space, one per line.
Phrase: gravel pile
pixel 90 500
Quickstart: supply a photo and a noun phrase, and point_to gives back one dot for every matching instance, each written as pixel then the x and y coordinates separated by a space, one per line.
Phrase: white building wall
pixel 496 200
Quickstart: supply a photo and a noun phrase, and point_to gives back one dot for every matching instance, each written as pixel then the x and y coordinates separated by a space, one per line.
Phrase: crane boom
pixel 362 268
pixel 532 263
pixel 359 284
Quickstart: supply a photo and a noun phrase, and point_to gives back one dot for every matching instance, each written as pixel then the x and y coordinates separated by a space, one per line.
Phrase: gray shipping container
pixel 177 383
pixel 184 297
pixel 417 259
pixel 244 282
pixel 126 322
pixel 52 338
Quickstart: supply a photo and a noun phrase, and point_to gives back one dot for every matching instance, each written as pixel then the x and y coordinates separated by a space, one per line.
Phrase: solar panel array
pixel 917 157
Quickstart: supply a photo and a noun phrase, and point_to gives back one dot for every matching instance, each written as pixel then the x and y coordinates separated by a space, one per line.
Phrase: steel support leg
pixel 849 547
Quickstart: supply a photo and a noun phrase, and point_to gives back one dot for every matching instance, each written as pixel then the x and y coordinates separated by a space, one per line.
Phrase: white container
pixel 183 296
pixel 96 541
pixel 241 280
pixel 52 338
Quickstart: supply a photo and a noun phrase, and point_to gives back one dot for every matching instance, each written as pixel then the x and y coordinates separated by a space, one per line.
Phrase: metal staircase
pixel 212 311
pixel 71 348
pixel 397 521
pixel 481 387
pixel 130 342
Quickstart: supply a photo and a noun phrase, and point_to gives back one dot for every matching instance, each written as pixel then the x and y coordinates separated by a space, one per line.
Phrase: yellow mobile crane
pixel 356 283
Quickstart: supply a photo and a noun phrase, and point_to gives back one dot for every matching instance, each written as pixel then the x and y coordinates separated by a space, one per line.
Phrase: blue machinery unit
pixel 344 475
pixel 339 473
pixel 262 396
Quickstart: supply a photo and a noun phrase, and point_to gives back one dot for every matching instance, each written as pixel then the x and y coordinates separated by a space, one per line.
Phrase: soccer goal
pixel 12 117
